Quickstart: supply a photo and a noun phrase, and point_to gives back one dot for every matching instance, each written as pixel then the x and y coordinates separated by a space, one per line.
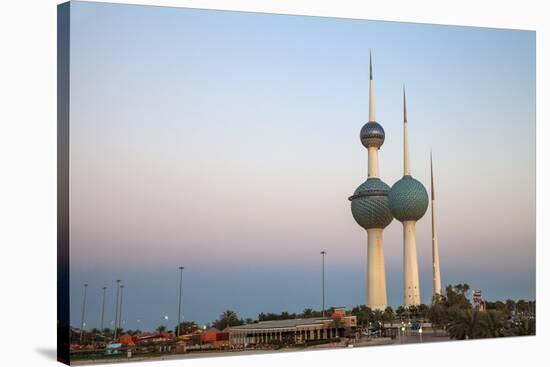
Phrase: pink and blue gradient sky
pixel 228 143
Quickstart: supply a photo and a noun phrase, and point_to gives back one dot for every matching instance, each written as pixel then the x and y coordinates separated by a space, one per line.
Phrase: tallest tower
pixel 370 209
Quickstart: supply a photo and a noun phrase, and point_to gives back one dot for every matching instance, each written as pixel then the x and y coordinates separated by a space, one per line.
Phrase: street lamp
pixel 116 308
pixel 83 312
pixel 103 310
pixel 120 312
pixel 323 253
pixel 179 304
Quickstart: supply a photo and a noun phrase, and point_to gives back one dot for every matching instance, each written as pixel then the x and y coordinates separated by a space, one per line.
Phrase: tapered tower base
pixel 435 256
pixel 376 273
pixel 411 283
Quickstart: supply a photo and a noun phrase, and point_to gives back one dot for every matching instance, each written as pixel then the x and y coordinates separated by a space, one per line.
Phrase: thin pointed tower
pixel 370 209
pixel 435 241
pixel 408 201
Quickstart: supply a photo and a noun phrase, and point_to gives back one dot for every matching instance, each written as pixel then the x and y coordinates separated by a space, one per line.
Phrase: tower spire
pixel 370 63
pixel 432 176
pixel 404 105
pixel 372 117
pixel 406 157
pixel 435 241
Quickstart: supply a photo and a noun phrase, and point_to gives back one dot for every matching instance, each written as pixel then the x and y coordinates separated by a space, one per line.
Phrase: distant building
pixel 478 301
pixel 215 337
pixel 293 330
pixel 127 340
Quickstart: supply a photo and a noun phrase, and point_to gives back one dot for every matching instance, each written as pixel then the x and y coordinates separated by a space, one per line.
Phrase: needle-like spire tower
pixel 435 241
pixel 372 117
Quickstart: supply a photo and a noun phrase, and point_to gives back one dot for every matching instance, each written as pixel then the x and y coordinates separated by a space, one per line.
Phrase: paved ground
pixel 408 338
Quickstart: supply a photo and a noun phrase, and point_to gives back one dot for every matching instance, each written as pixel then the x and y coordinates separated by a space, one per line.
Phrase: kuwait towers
pixel 370 209
pixel 408 202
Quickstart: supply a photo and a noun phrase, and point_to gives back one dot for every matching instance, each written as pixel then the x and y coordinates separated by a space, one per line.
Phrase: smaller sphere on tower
pixel 372 135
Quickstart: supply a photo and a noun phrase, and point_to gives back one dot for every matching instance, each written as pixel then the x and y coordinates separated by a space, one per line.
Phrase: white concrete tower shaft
pixel 411 281
pixel 373 151
pixel 376 269
pixel 435 241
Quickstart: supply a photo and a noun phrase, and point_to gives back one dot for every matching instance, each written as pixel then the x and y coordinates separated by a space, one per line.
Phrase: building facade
pixel 292 331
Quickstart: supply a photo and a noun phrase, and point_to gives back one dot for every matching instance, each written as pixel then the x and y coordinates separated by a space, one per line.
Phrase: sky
pixel 228 143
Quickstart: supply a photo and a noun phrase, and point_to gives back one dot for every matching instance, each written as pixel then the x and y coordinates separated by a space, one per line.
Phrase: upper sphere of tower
pixel 372 135
pixel 408 199
pixel 369 204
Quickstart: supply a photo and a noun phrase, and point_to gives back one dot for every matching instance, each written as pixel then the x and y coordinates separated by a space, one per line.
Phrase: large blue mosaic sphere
pixel 369 204
pixel 408 199
pixel 372 135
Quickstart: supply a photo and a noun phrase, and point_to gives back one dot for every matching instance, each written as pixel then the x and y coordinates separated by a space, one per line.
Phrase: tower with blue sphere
pixel 408 202
pixel 370 208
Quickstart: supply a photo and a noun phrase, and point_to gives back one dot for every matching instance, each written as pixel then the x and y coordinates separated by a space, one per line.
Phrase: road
pixel 409 338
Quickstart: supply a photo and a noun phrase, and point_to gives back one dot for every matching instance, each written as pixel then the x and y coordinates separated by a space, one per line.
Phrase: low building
pixel 293 331
pixel 127 340
pixel 214 337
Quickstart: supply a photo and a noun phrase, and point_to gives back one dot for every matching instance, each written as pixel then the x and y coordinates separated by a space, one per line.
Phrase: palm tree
pixel 423 311
pixel 186 327
pixel 400 312
pixel 455 296
pixel 437 314
pixel 363 313
pixel 161 328
pixel 378 316
pixel 492 324
pixel 510 306
pixel 388 315
pixel 413 311
pixel 227 318
pixel 308 312
pixel 522 306
pixel 524 327
pixel 464 324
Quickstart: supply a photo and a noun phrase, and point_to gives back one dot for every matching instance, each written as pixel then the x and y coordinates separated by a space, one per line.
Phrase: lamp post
pixel 179 304
pixel 83 312
pixel 116 308
pixel 120 312
pixel 323 253
pixel 103 310
pixel 164 319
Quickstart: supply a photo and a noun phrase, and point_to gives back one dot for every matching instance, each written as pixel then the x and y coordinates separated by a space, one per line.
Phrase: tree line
pixel 451 313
